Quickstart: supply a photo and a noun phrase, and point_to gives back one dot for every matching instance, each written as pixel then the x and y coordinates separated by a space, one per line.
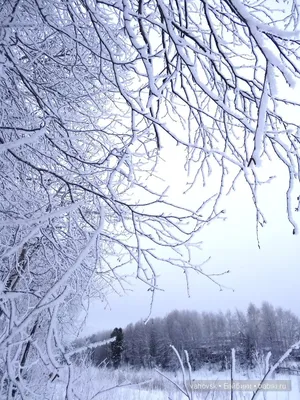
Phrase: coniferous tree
pixel 117 347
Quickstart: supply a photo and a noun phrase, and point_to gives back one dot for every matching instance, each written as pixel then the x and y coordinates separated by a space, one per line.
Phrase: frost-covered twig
pixel 270 369
pixel 232 373
pixel 186 385
pixel 90 346
pixel 121 385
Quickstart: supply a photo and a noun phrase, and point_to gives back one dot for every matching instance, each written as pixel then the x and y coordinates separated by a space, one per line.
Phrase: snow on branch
pixel 90 346
pixel 115 87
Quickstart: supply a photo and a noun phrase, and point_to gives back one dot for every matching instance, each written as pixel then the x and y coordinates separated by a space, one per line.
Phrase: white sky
pixel 271 273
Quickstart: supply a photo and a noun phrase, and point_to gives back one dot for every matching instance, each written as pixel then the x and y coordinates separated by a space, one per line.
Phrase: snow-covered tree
pixel 91 93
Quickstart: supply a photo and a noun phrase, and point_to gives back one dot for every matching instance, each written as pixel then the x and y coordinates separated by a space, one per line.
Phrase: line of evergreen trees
pixel 207 336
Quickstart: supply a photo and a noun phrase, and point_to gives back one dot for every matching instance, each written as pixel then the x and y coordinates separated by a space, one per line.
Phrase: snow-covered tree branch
pixel 91 92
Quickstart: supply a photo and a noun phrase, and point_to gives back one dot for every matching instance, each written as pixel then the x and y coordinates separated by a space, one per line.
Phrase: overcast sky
pixel 270 273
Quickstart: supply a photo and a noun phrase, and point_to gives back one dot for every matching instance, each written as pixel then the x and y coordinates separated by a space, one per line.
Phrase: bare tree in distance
pixel 91 91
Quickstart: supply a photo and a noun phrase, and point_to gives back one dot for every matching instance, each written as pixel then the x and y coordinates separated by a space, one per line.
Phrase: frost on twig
pixel 185 388
pixel 271 369
pixel 89 346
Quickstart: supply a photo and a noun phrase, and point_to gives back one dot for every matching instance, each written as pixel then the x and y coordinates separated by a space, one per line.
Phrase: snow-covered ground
pixel 126 384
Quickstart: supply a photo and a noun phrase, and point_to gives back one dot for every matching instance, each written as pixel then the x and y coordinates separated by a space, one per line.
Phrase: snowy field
pixel 127 384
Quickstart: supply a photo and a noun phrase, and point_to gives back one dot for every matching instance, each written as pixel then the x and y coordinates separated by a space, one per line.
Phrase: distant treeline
pixel 207 336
